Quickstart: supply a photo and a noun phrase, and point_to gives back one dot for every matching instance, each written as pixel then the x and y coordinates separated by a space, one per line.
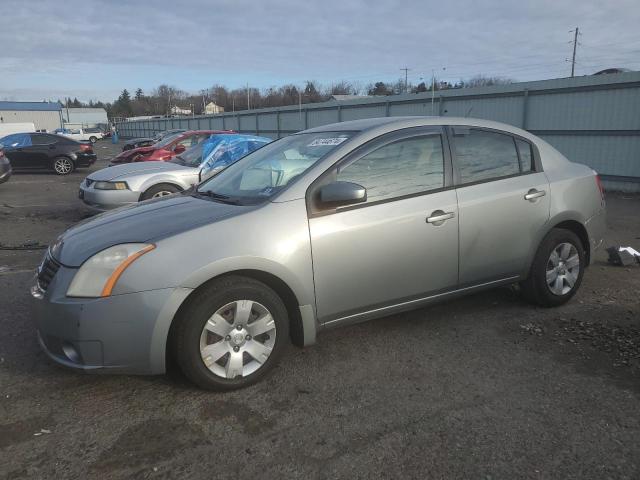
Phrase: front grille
pixel 46 271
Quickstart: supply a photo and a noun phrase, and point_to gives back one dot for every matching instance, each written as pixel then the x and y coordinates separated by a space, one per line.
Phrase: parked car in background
pixel 5 167
pixel 165 149
pixel 327 227
pixel 130 183
pixel 29 151
pixel 148 141
pixel 80 134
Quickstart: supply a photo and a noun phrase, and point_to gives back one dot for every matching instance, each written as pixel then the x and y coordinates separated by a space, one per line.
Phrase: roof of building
pixel 31 106
pixel 85 110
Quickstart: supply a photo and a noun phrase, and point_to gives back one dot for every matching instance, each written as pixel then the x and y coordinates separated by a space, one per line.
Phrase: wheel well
pixel 581 232
pixel 280 287
pixel 180 189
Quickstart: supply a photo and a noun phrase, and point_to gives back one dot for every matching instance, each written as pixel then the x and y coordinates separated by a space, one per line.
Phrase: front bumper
pixel 107 199
pixel 118 334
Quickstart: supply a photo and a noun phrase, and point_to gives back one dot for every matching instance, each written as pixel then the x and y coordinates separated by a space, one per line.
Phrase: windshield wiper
pixel 217 196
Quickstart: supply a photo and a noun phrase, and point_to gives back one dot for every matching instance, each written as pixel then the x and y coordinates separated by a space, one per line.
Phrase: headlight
pixel 98 275
pixel 111 186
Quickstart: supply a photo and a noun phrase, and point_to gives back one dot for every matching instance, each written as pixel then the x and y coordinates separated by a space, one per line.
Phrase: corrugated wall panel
pixel 322 117
pixel 356 113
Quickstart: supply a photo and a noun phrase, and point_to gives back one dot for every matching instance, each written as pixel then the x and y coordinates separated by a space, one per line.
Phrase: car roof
pixel 383 124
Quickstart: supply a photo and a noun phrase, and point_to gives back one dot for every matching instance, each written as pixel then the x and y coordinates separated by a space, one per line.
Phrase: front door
pixel 402 243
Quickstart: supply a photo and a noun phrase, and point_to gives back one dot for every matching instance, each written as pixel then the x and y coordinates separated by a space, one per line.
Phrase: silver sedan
pixel 331 226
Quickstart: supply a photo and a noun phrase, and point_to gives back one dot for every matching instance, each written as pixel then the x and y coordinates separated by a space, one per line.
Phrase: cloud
pixel 99 47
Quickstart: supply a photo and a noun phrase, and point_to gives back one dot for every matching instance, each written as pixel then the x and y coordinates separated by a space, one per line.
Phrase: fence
pixel 594 120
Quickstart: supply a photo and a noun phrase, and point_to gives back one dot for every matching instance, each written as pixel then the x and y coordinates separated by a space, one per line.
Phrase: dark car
pixel 147 142
pixel 29 151
pixel 5 167
pixel 167 148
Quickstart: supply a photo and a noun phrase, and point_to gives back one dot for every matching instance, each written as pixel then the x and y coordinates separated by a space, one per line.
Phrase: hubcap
pixel 563 268
pixel 163 193
pixel 62 166
pixel 238 339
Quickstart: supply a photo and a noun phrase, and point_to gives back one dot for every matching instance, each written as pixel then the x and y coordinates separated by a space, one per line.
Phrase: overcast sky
pixel 94 49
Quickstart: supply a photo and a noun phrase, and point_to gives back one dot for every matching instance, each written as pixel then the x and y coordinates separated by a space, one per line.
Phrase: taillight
pixel 600 187
pixel 86 148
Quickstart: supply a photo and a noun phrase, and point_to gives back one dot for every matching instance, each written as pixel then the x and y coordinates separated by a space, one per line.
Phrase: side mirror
pixel 179 149
pixel 338 194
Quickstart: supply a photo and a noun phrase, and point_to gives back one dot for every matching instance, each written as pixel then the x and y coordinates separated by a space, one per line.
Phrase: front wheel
pixel 93 139
pixel 557 269
pixel 231 334
pixel 158 191
pixel 63 166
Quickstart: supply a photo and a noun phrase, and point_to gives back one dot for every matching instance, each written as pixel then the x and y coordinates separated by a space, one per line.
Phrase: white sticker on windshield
pixel 321 142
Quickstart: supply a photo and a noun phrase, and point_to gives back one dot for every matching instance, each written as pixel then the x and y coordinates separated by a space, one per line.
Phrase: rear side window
pixel 526 156
pixel 43 139
pixel 483 155
pixel 404 167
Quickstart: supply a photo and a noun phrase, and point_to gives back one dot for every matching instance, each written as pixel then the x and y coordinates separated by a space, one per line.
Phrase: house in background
pixel 175 110
pixel 212 109
pixel 44 115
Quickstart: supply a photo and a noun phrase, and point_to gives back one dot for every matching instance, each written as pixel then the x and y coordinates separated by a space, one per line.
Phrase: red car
pixel 167 148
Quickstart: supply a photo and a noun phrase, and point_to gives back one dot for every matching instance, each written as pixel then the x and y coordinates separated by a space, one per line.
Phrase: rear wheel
pixel 231 334
pixel 158 191
pixel 63 165
pixel 93 139
pixel 557 270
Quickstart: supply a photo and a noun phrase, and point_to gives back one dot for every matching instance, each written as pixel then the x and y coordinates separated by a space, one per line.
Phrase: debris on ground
pixel 623 256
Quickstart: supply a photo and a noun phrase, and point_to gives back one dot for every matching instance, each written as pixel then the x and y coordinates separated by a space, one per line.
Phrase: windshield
pixel 190 158
pixel 267 171
pixel 167 140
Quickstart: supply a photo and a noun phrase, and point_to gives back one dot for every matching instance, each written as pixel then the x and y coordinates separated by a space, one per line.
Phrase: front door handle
pixel 438 217
pixel 533 194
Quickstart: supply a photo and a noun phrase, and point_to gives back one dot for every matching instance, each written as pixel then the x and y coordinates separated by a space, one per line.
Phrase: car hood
pixel 137 168
pixel 131 153
pixel 144 222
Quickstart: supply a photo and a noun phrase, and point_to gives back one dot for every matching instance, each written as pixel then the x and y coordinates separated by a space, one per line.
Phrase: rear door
pixel 503 202
pixel 44 148
pixel 386 252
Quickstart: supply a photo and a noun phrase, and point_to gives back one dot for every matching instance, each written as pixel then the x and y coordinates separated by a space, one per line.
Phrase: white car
pixel 81 134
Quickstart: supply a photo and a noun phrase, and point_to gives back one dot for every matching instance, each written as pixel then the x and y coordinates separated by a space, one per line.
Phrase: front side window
pixel 404 167
pixel 267 171
pixel 483 155
pixel 16 140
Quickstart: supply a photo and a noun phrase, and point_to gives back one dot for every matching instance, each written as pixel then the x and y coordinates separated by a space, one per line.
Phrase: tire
pixel 93 139
pixel 63 165
pixel 158 191
pixel 553 280
pixel 195 347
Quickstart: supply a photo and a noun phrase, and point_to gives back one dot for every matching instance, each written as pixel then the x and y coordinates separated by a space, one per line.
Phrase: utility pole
pixel 575 44
pixel 248 107
pixel 406 78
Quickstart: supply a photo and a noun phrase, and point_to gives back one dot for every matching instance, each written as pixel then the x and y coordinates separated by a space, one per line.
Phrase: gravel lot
pixel 485 387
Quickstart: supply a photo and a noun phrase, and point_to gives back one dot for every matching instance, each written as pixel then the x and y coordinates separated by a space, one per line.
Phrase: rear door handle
pixel 438 217
pixel 533 194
